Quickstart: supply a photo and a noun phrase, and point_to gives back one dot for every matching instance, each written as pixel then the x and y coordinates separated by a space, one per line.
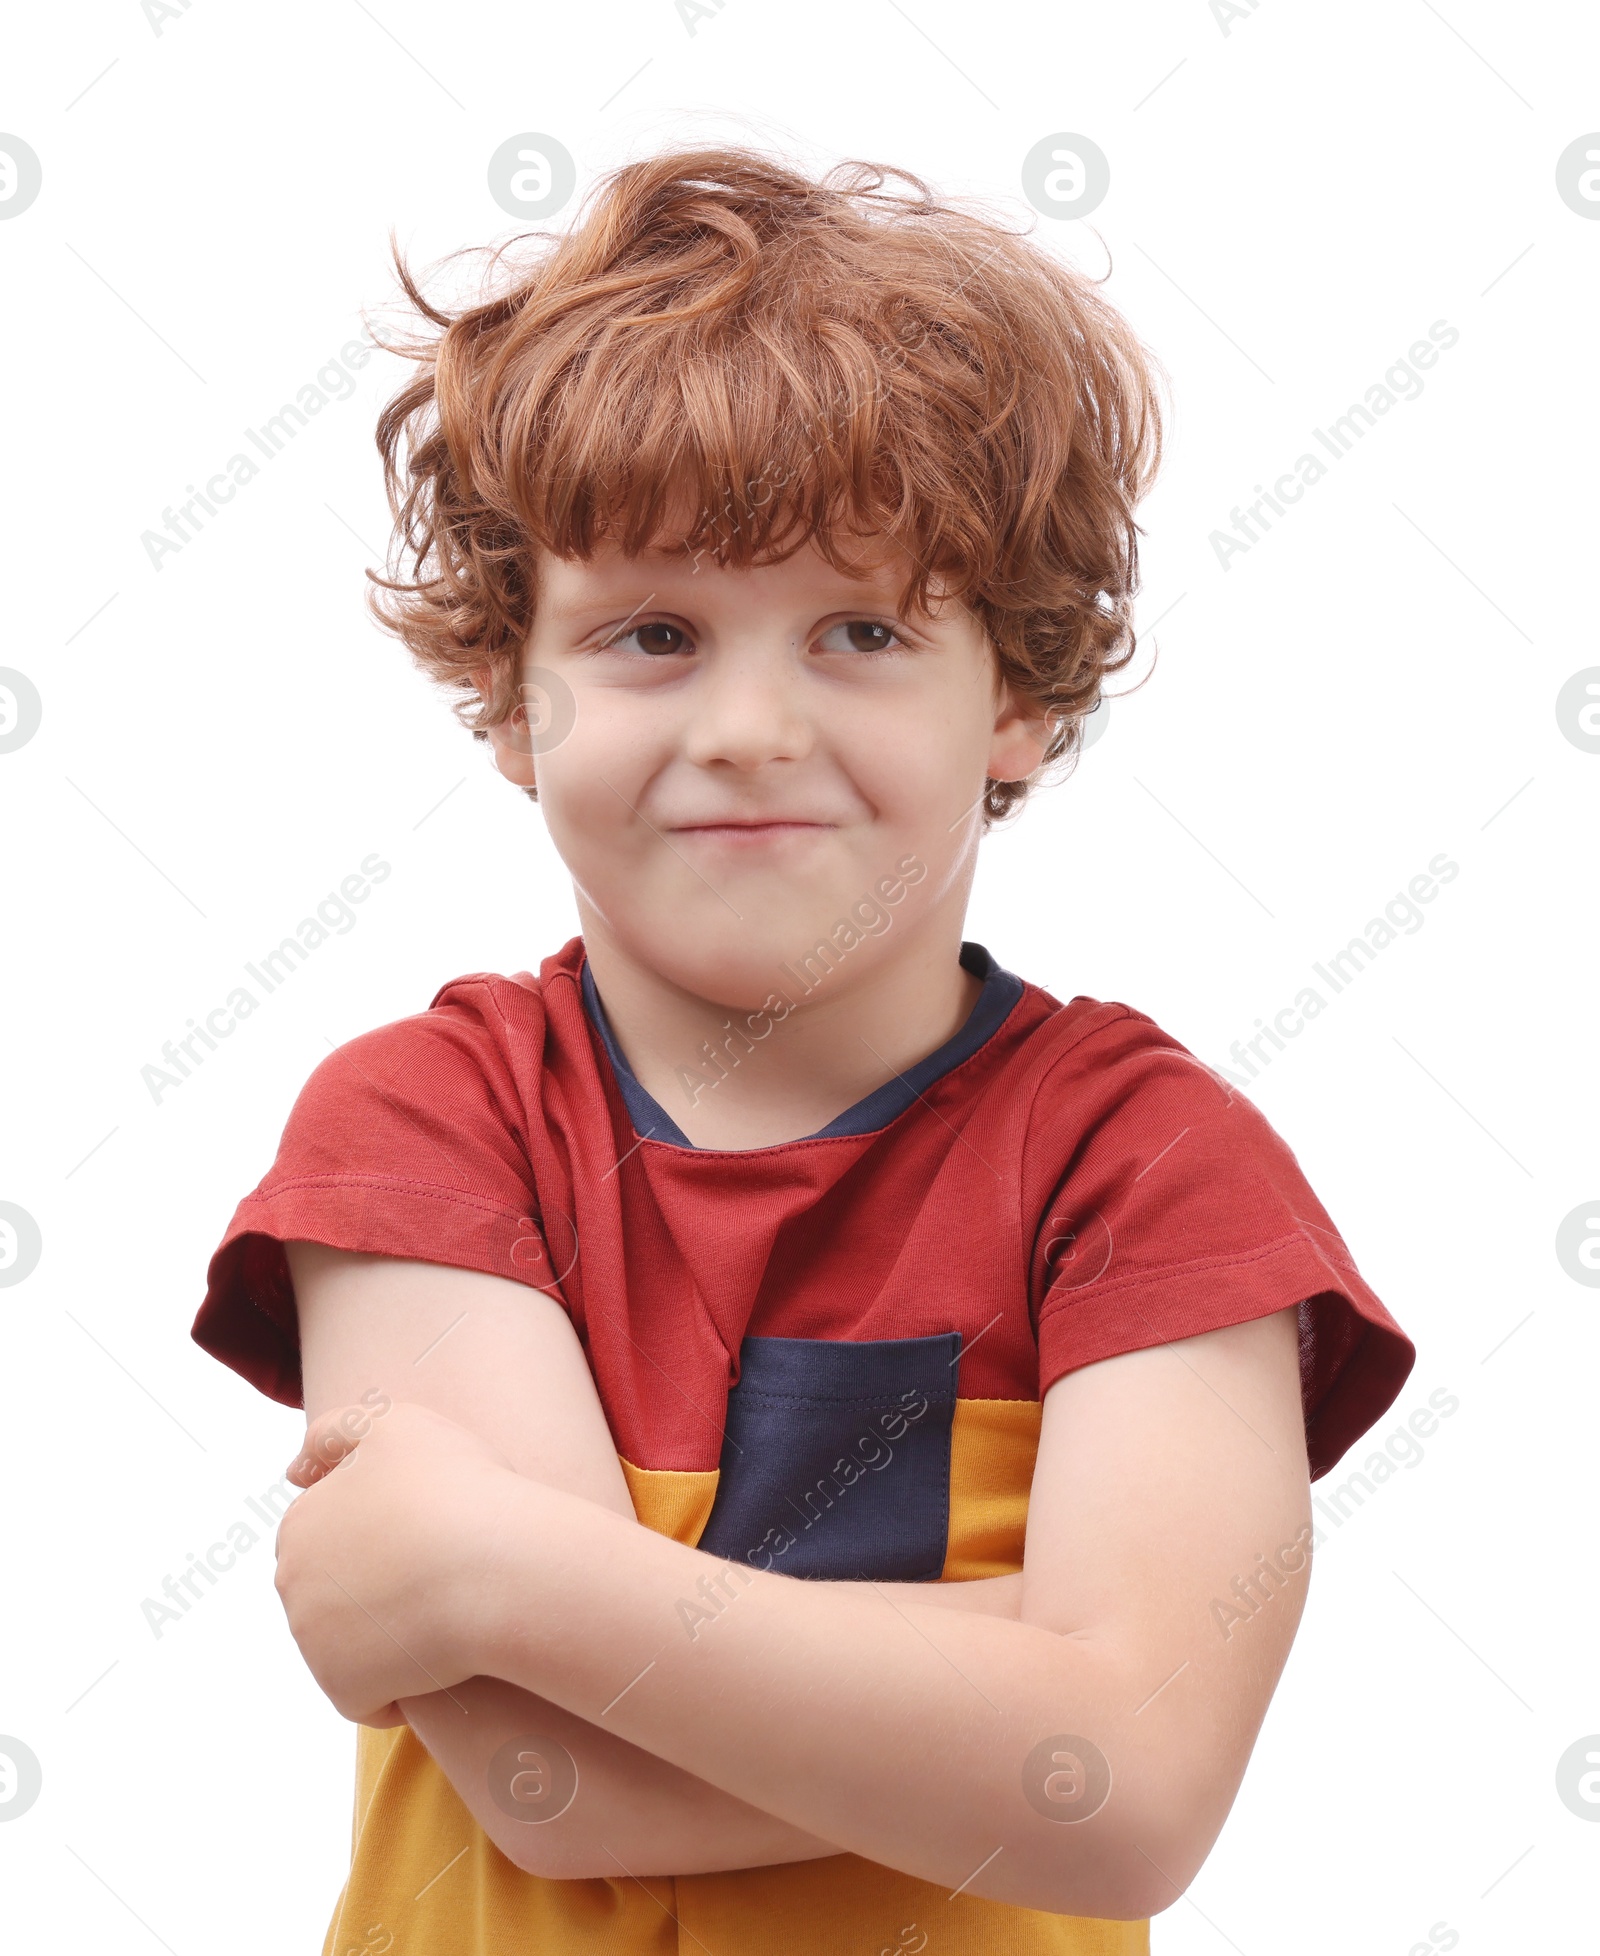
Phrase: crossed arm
pixel 896 1721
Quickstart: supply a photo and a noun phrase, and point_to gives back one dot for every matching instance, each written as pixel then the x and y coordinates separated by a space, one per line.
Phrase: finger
pixel 330 1438
pixel 303 1471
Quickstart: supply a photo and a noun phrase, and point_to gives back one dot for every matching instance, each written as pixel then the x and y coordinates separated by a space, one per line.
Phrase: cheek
pixel 587 783
pixel 593 832
pixel 920 767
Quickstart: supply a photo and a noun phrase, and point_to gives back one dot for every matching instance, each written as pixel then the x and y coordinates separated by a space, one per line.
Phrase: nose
pixel 747 710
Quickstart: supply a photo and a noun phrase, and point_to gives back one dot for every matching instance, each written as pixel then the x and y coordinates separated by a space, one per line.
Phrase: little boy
pixel 808 1434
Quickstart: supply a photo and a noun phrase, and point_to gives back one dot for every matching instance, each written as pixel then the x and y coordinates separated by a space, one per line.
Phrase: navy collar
pixel 1001 990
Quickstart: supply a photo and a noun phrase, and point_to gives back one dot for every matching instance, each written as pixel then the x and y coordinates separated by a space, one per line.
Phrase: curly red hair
pixel 796 360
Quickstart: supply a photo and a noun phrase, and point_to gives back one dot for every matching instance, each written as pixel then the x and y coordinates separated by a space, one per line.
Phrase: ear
pixel 1021 735
pixel 509 739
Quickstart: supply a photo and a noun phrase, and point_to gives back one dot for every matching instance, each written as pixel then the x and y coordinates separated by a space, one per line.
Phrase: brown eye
pixel 867 637
pixel 656 638
pixel 862 635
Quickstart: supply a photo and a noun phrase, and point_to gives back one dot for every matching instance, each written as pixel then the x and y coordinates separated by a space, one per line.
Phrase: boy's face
pixel 753 752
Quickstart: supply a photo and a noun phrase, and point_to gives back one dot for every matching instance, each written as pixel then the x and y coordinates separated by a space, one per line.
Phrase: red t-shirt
pixel 826 1356
pixel 1077 1186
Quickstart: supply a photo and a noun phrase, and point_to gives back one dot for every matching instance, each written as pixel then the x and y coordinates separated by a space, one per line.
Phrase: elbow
pixel 526 1856
pixel 1102 1896
pixel 544 1851
pixel 1137 1867
pixel 1116 1847
pixel 1129 1894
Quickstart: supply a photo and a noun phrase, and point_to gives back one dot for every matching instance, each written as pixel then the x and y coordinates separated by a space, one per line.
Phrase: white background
pixel 1293 203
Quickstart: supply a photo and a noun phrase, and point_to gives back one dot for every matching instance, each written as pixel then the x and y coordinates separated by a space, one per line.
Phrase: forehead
pixel 670 569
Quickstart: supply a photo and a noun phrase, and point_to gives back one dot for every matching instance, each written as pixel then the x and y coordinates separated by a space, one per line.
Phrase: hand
pixel 381 1562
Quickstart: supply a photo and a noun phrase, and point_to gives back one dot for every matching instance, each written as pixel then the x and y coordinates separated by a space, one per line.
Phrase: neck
pixel 771 1077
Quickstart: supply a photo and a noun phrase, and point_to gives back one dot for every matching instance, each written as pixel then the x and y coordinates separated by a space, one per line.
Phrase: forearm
pixel 901 1728
pixel 632 1811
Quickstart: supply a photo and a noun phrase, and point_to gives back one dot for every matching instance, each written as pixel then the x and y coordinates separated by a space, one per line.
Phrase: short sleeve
pixel 410 1141
pixel 1170 1207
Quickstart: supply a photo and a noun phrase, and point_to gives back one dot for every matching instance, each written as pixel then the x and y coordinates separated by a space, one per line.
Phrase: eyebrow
pixel 595 601
pixel 848 589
